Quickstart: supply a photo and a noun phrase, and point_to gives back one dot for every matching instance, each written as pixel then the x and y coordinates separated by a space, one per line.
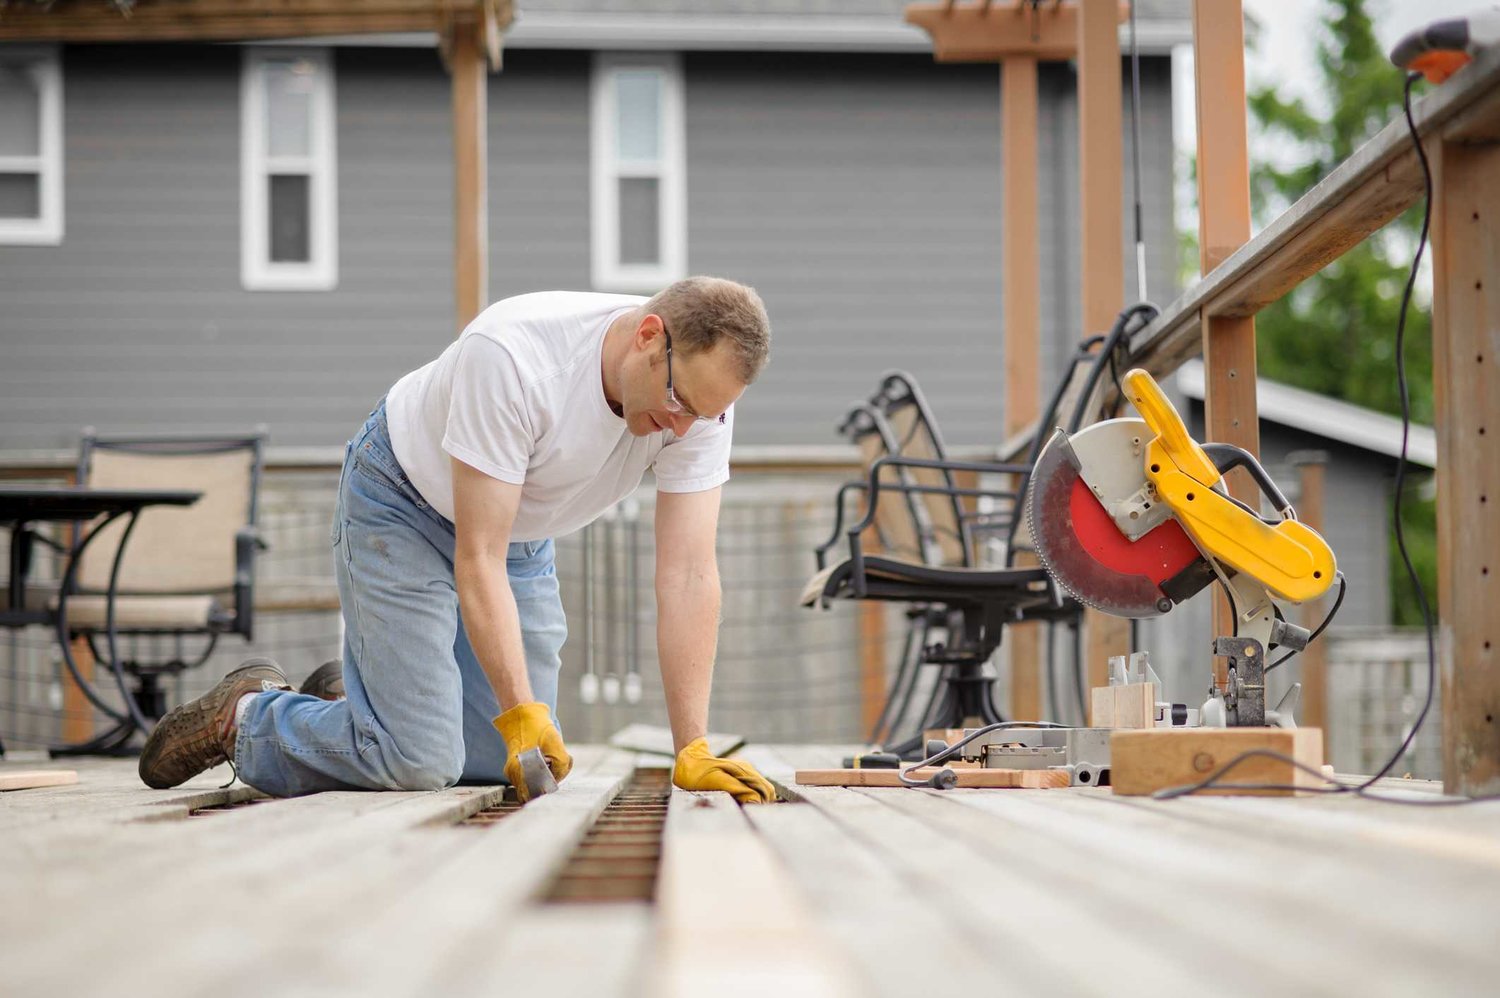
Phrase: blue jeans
pixel 419 708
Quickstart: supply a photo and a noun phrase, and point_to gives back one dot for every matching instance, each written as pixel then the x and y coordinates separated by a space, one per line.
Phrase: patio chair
pixel 977 601
pixel 188 574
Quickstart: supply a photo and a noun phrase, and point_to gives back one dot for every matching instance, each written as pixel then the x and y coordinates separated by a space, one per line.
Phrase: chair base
pixel 964 699
pixel 149 697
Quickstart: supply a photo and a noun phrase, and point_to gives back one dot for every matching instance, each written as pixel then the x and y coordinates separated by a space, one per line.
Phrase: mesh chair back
pixel 173 550
pixel 916 433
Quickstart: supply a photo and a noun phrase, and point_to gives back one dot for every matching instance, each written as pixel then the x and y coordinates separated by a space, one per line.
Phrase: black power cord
pixel 1362 789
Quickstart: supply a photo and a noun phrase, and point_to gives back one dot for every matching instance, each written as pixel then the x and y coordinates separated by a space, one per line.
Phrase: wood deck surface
pixel 112 888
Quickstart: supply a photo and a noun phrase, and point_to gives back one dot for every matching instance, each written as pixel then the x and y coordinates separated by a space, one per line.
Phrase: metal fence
pixel 783 673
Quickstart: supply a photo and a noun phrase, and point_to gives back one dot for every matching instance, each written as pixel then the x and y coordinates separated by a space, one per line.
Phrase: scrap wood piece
pixel 991 779
pixel 30 779
pixel 658 741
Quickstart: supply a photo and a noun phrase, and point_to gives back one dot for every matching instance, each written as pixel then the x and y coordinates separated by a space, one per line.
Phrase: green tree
pixel 1336 333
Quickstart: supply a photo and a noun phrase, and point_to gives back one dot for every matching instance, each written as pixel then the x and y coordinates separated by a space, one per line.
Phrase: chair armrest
pixel 247 541
pixel 821 551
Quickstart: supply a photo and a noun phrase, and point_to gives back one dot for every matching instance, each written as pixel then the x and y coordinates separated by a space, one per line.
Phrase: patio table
pixel 22 506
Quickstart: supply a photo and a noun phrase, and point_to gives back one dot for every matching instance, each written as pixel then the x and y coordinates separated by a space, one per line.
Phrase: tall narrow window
pixel 288 171
pixel 31 181
pixel 639 213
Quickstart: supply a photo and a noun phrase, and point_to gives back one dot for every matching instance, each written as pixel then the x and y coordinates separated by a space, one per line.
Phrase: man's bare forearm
pixel 687 635
pixel 494 627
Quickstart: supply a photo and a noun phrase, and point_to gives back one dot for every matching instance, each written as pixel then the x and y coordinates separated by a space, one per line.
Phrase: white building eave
pixel 728 32
pixel 1318 414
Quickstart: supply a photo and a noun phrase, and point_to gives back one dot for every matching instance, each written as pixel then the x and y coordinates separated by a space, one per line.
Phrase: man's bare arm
pixel 687 606
pixel 484 509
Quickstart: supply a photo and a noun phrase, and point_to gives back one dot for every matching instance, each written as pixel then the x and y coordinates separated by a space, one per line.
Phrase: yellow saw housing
pixel 1289 558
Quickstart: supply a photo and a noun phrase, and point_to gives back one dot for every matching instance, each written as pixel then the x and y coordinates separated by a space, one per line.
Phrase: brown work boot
pixel 199 734
pixel 326 682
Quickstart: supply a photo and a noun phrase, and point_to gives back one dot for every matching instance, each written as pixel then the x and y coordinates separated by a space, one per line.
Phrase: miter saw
pixel 1131 516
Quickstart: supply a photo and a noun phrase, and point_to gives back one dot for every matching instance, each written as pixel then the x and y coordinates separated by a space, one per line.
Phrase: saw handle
pixel 1159 413
pixel 1227 457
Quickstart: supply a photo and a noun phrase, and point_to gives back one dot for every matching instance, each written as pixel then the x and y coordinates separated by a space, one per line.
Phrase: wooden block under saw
pixel 1143 762
pixel 993 779
pixel 30 779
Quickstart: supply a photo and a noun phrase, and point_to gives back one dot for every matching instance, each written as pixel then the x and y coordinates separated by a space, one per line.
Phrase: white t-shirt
pixel 520 397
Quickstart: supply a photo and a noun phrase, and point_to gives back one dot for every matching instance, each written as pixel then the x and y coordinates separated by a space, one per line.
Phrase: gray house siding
pixel 860 193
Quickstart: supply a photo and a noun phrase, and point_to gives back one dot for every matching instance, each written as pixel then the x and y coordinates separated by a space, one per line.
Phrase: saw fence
pixel 1459 124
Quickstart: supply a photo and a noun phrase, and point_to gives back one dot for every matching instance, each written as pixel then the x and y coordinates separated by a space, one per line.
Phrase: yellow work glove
pixel 696 769
pixel 528 726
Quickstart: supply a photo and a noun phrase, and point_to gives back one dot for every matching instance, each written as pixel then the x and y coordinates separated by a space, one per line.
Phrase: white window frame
pixel 606 169
pixel 257 271
pixel 46 230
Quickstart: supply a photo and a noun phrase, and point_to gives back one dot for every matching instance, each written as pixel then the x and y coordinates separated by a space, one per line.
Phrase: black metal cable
pixel 1338 601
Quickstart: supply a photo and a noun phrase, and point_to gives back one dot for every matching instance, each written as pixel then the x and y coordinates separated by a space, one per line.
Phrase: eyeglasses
pixel 673 403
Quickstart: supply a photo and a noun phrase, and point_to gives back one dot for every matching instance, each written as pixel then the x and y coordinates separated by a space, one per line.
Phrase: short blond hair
pixel 701 311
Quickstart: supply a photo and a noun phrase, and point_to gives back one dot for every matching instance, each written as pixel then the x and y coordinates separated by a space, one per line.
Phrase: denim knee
pixel 430 770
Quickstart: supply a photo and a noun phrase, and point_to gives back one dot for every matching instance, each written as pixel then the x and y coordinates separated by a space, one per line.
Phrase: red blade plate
pixel 1083 550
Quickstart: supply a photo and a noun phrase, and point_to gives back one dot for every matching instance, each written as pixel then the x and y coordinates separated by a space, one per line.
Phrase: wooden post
pixel 1100 171
pixel 1312 663
pixel 467 63
pixel 1022 323
pixel 1231 415
pixel 1466 352
pixel 77 712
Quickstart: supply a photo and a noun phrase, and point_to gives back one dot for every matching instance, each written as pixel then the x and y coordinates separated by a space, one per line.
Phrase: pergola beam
pixel 986 32
pixel 245 20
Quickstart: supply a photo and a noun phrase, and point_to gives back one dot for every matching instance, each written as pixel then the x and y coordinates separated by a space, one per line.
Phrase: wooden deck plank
pixel 302 868
pixel 560 951
pixel 851 892
pixel 1298 902
pixel 881 918
pixel 1054 942
pixel 732 923
pixel 465 887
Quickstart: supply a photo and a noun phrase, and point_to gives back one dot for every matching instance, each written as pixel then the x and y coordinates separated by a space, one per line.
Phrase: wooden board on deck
pixel 1143 762
pixel 30 779
pixel 658 740
pixel 991 779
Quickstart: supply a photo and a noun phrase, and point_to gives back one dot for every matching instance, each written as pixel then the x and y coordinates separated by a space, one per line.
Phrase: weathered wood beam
pixel 217 20
pixel 1312 663
pixel 984 32
pixel 1465 352
pixel 1102 236
pixel 1022 323
pixel 1230 412
pixel 467 64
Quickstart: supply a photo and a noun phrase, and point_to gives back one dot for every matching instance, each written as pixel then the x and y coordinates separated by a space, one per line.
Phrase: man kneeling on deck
pixel 542 415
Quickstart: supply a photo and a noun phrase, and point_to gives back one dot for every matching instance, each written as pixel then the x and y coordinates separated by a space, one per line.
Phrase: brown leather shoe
pixel 199 734
pixel 326 682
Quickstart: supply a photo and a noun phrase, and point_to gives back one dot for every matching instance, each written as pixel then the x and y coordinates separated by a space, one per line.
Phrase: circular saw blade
pixel 1085 552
